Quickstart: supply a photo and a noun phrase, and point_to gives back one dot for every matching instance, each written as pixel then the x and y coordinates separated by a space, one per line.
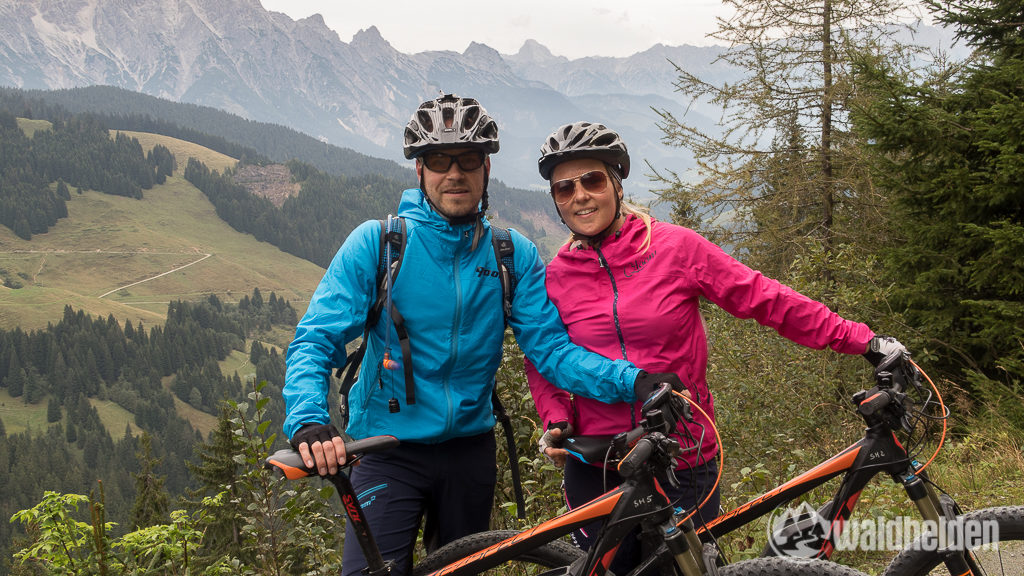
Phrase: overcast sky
pixel 570 28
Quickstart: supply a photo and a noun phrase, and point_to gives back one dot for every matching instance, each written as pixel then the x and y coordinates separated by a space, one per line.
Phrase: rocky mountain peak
pixel 483 54
pixel 537 53
pixel 369 38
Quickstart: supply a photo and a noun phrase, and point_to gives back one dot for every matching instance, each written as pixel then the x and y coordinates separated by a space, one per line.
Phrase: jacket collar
pixel 414 206
pixel 631 232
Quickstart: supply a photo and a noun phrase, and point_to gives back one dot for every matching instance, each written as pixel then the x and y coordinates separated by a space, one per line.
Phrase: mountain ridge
pixel 235 56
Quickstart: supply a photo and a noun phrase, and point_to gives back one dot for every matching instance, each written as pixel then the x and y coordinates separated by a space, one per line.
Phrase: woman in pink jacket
pixel 627 286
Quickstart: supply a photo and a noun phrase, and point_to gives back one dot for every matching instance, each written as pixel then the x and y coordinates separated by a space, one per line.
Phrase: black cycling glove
pixel 645 383
pixel 884 351
pixel 312 433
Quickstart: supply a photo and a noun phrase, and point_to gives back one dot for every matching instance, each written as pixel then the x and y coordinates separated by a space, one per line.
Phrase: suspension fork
pixel 685 547
pixel 959 562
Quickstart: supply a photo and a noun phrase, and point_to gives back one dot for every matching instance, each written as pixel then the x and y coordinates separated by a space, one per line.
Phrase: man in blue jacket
pixel 451 300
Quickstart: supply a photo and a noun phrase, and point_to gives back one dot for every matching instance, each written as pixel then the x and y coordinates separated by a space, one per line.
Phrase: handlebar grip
pixel 632 461
pixel 874 403
pixel 289 464
pixel 371 444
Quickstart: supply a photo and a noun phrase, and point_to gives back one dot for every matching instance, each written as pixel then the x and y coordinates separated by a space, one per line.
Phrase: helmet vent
pixel 425 121
pixel 470 117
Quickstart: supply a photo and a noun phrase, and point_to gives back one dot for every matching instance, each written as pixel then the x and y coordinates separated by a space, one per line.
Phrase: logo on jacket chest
pixel 482 272
pixel 634 267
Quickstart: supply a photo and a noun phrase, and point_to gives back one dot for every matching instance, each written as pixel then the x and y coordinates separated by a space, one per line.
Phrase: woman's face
pixel 590 207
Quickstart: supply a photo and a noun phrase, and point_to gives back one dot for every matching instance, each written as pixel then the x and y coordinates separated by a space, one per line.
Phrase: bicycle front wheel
pixel 992 542
pixel 782 566
pixel 530 563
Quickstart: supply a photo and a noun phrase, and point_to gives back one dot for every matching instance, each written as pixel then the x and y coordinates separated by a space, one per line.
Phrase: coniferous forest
pixel 82 360
pixel 79 154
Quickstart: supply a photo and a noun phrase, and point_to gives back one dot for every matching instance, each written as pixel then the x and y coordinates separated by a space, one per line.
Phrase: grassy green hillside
pixel 129 258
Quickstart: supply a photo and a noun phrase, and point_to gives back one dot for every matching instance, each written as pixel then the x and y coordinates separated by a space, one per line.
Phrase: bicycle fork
pixel 942 515
pixel 685 547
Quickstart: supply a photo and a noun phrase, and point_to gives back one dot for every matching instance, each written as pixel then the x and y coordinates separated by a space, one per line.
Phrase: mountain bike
pixel 951 542
pixel 801 546
pixel 645 457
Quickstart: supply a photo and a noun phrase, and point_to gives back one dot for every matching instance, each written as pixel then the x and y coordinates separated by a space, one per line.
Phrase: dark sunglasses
pixel 441 162
pixel 594 182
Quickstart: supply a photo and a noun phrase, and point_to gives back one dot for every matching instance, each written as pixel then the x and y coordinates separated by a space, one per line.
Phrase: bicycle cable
pixel 721 458
pixel 942 410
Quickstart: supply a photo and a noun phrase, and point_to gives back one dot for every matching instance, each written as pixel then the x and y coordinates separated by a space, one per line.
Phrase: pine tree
pixel 16 383
pixel 255 353
pixel 215 470
pixel 53 412
pixel 949 151
pixel 151 499
pixel 792 60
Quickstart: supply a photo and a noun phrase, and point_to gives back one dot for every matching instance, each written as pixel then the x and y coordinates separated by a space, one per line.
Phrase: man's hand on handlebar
pixel 550 443
pixel 646 383
pixel 321 446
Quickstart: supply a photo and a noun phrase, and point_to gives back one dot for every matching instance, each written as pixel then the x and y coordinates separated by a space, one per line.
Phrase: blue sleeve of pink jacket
pixel 543 338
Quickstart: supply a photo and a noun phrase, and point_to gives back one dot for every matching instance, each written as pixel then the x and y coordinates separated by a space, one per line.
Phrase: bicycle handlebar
pixel 886 402
pixel 662 411
pixel 289 464
pixel 636 457
pixel 874 403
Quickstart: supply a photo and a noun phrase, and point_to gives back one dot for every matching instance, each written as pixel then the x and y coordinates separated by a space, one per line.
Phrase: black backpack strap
pixel 504 257
pixel 403 342
pixel 395 243
pixel 504 252
pixel 392 241
pixel 506 425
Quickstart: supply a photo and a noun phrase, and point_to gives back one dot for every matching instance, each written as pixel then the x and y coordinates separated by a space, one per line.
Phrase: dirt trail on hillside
pixel 205 256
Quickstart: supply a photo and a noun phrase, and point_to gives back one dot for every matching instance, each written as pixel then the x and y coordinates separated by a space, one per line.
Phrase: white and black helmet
pixel 583 140
pixel 450 122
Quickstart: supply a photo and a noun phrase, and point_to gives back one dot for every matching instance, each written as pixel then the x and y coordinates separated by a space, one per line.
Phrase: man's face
pixel 455 191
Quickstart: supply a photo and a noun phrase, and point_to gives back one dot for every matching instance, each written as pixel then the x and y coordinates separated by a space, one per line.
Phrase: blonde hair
pixel 641 213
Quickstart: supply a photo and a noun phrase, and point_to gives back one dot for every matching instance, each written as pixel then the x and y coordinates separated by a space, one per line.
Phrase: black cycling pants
pixel 450 484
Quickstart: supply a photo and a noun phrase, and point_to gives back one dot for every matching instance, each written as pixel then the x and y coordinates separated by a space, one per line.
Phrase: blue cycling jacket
pixel 450 298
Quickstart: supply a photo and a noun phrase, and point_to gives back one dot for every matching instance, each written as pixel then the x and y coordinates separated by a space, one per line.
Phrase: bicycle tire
pixel 781 566
pixel 921 559
pixel 542 559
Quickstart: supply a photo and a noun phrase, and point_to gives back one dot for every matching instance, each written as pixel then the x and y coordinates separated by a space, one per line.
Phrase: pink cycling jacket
pixel 643 307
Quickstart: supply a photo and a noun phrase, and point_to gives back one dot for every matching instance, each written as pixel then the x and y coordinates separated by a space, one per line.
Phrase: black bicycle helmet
pixel 583 140
pixel 450 122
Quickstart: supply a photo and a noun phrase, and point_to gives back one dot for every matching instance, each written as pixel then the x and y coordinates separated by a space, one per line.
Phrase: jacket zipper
pixel 615 315
pixel 615 300
pixel 455 340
